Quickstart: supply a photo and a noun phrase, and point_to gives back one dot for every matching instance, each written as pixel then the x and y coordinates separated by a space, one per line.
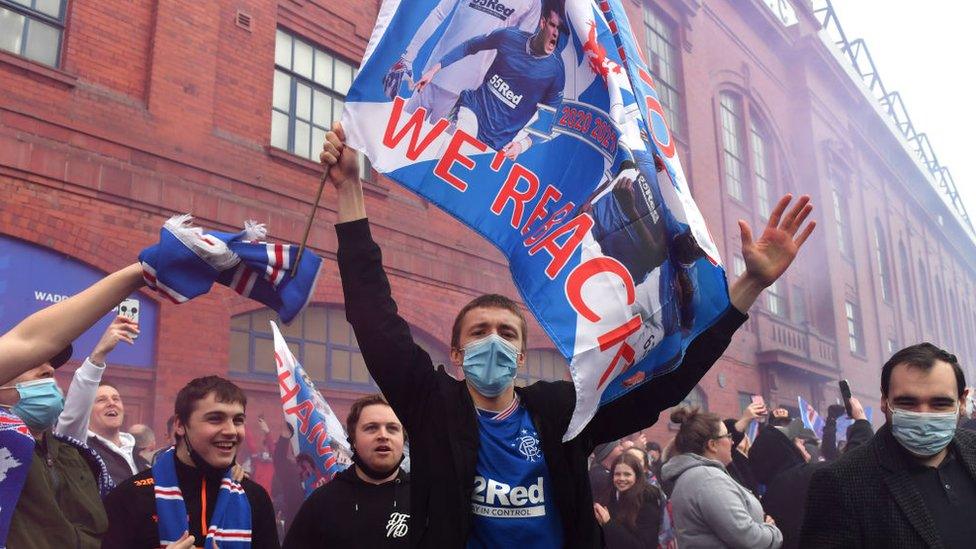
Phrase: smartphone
pixel 129 308
pixel 845 391
pixel 758 399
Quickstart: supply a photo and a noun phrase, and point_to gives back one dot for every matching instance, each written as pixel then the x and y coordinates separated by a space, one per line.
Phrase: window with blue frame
pixel 33 29
pixel 320 338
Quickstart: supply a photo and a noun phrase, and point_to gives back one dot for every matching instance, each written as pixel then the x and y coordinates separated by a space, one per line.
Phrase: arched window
pixel 544 365
pixel 320 338
pixel 761 168
pixel 907 288
pixel 696 398
pixel 732 153
pixel 881 254
pixel 744 161
pixel 322 341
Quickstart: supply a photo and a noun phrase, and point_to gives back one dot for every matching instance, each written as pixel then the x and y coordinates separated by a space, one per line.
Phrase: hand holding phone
pixel 845 391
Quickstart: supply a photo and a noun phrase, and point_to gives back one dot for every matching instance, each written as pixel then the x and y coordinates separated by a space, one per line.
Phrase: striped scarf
pixel 16 454
pixel 230 525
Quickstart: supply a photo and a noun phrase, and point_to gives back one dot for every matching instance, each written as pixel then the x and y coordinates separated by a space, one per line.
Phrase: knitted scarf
pixel 187 261
pixel 230 525
pixel 16 453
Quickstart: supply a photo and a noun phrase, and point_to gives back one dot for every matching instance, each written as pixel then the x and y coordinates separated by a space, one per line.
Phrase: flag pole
pixel 311 217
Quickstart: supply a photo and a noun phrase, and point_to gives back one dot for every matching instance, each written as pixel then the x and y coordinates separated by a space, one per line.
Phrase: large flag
pixel 536 123
pixel 811 419
pixel 320 445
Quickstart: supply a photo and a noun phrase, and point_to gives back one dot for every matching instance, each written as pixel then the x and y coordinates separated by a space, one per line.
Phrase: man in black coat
pixel 477 477
pixel 914 483
pixel 368 504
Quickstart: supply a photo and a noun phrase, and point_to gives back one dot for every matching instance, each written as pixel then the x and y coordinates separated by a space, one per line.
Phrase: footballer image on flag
pixel 536 123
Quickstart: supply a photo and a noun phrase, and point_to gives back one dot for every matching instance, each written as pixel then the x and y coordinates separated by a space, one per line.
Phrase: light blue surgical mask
pixel 490 364
pixel 41 402
pixel 923 433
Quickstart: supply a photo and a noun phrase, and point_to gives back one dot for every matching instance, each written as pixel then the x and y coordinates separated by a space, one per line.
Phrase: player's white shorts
pixel 647 303
pixel 467 121
pixel 438 102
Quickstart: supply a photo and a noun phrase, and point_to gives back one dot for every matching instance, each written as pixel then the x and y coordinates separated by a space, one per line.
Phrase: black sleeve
pixel 640 408
pixel 737 436
pixel 264 525
pixel 644 535
pixel 120 531
pixel 858 433
pixel 827 522
pixel 304 532
pixel 402 369
pixel 828 446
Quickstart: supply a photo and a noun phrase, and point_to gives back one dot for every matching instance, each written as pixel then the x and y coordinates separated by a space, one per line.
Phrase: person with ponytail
pixel 710 508
pixel 632 518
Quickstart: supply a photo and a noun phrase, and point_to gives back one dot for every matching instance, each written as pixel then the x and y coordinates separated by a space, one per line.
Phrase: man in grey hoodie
pixel 710 508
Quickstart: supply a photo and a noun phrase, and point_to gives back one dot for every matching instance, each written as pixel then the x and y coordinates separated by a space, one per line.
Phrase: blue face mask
pixel 41 402
pixel 923 433
pixel 490 364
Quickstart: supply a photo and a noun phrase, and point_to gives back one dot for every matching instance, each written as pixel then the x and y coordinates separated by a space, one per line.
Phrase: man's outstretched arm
pixel 43 334
pixel 766 260
pixel 400 367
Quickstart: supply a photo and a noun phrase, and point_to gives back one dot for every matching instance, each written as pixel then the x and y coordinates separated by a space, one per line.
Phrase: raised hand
pixel 121 329
pixel 768 257
pixel 343 170
pixel 340 160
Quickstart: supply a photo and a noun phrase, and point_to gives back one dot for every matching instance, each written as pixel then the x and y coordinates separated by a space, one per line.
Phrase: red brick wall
pixel 164 108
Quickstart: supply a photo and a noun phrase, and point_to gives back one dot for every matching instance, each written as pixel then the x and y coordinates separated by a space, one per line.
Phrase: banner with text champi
pixel 536 124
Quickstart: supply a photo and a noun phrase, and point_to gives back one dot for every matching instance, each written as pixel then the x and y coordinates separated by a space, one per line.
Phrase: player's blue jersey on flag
pixel 625 238
pixel 516 82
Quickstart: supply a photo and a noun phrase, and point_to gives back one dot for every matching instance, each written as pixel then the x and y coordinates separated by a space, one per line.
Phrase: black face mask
pixel 202 464
pixel 373 473
pixel 366 469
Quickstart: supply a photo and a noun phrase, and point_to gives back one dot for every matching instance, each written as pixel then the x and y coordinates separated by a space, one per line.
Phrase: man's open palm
pixel 768 257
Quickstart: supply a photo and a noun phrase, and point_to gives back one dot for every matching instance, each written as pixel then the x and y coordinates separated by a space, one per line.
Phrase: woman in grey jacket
pixel 710 508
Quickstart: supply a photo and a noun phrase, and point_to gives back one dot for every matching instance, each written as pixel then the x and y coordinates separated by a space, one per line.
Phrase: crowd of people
pixel 489 466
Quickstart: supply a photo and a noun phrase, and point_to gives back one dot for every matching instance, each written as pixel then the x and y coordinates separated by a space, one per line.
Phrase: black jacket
pixel 118 467
pixel 439 415
pixel 131 510
pixel 867 498
pixel 739 468
pixel 779 464
pixel 647 526
pixel 857 434
pixel 348 512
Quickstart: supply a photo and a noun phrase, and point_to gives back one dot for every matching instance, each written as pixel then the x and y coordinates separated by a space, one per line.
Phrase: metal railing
pixel 856 51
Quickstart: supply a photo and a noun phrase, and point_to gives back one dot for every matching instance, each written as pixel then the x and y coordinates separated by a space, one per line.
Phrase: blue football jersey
pixel 515 83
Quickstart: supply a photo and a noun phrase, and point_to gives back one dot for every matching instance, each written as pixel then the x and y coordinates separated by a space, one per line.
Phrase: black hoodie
pixel 349 512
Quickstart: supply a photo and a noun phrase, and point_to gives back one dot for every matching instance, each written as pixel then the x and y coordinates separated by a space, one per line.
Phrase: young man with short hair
pixel 489 467
pixel 189 497
pixel 914 483
pixel 368 504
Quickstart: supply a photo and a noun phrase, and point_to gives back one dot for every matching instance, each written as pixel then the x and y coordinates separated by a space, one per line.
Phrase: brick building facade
pixel 117 114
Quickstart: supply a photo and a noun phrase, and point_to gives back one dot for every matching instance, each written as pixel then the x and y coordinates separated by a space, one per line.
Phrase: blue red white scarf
pixel 186 262
pixel 230 525
pixel 16 453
